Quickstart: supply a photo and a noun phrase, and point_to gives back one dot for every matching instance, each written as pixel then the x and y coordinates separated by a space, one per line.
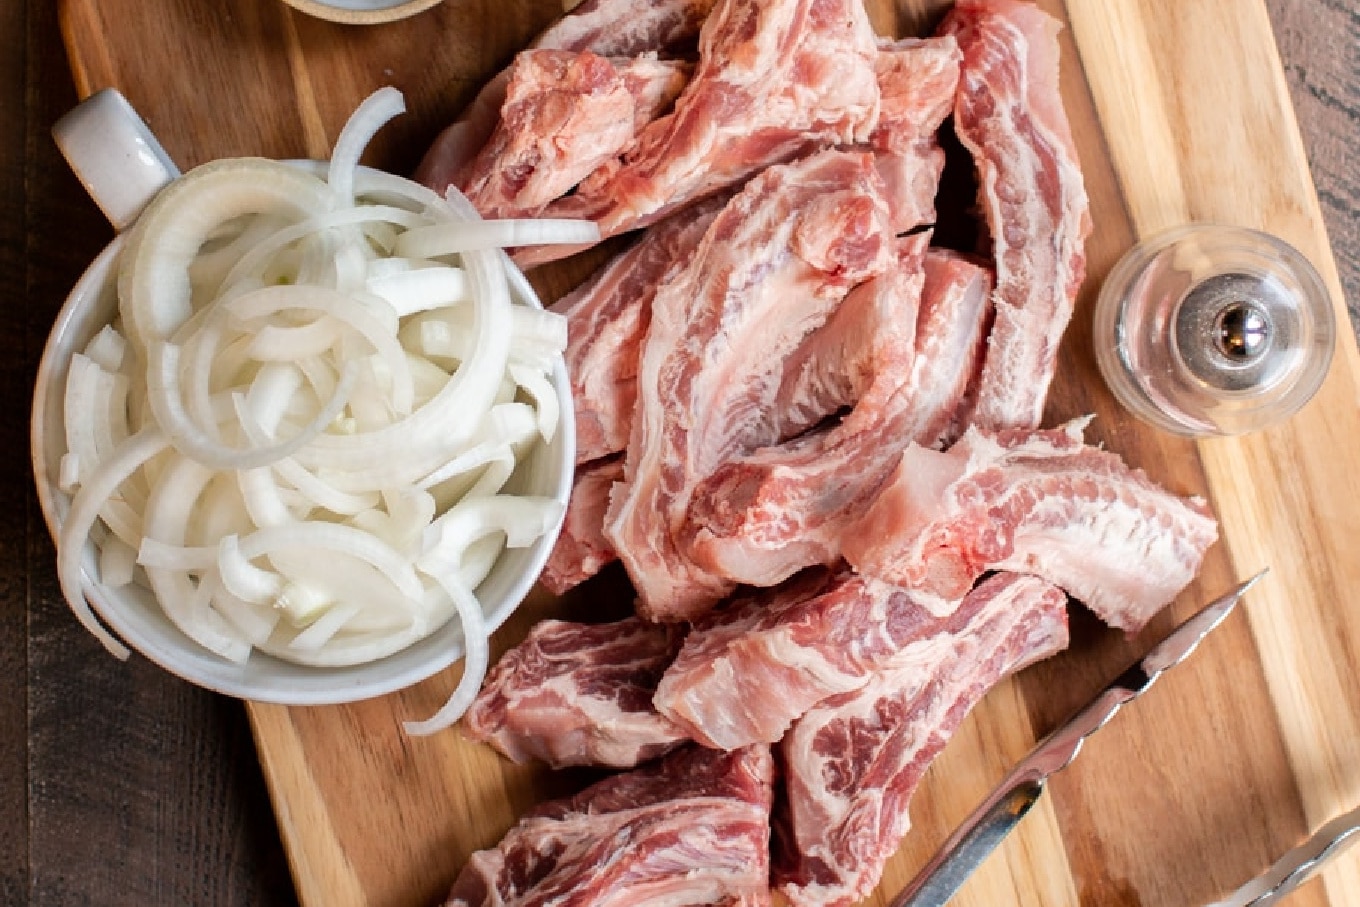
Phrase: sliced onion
pixel 265 446
pixel 154 289
pixel 456 238
pixel 371 115
pixel 476 656
pixel 75 529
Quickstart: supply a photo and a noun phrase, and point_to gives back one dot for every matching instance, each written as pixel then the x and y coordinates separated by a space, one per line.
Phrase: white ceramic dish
pixel 131 611
pixel 362 12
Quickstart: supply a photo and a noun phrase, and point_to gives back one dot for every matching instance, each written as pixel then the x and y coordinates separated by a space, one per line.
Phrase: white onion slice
pixel 371 115
pixel 75 529
pixel 476 656
pixel 456 238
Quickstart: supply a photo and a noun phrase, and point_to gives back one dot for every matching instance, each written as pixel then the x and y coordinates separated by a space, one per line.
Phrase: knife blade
pixel 988 825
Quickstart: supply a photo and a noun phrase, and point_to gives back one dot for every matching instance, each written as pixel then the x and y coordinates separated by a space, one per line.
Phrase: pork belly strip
pixel 760 518
pixel 1040 502
pixel 581 550
pixel 609 28
pixel 565 113
pixel 852 763
pixel 607 319
pixel 692 828
pixel 770 270
pixel 748 671
pixel 579 694
pixel 1009 115
pixel 775 79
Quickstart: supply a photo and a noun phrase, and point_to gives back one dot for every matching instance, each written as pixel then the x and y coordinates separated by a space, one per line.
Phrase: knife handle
pixel 974 840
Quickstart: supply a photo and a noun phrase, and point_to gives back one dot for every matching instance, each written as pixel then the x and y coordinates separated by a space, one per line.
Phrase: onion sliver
pixel 75 529
pixel 476 657
pixel 154 290
pixel 457 238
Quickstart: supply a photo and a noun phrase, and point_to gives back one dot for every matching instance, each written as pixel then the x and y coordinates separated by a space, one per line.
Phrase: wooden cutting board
pixel 1181 114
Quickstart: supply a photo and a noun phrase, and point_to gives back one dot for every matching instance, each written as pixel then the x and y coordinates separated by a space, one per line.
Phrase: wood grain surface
pixel 1218 771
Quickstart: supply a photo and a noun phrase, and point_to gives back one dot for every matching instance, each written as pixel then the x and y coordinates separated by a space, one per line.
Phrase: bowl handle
pixel 114 155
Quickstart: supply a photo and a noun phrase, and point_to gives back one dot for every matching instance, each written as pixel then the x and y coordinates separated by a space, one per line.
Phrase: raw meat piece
pixel 564 114
pixel 917 81
pixel 760 518
pixel 748 671
pixel 582 550
pixel 691 829
pixel 1009 115
pixel 626 28
pixel 775 79
pixel 607 319
pixel 769 271
pixel 579 694
pixel 1040 502
pixel 609 28
pixel 873 331
pixel 852 763
pixel 912 180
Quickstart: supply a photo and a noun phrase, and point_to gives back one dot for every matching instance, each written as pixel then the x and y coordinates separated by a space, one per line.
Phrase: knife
pixel 989 824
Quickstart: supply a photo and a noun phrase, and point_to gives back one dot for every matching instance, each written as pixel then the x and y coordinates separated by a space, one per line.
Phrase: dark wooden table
pixel 122 785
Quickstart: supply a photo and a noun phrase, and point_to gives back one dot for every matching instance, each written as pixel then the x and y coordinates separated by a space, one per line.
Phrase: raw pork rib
pixel 626 28
pixel 760 518
pixel 1039 502
pixel 771 269
pixel 579 694
pixel 693 828
pixel 609 28
pixel 852 763
pixel 748 671
pixel 582 550
pixel 917 81
pixel 1010 116
pixel 564 114
pixel 775 79
pixel 607 319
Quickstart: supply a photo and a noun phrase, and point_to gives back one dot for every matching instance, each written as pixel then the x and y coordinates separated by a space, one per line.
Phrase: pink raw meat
pixel 912 180
pixel 747 671
pixel 579 694
pixel 582 550
pixel 691 829
pixel 1009 115
pixel 917 80
pixel 607 319
pixel 852 763
pixel 760 518
pixel 1039 502
pixel 564 114
pixel 769 271
pixel 609 28
pixel 775 79
pixel 626 28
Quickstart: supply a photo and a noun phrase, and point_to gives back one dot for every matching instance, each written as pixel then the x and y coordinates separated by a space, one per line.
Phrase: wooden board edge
pixel 316 857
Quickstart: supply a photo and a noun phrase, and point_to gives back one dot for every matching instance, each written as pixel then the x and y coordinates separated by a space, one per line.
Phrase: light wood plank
pixel 1225 147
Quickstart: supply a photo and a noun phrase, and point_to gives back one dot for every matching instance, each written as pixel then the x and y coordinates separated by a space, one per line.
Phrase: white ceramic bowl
pixel 134 615
pixel 361 12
